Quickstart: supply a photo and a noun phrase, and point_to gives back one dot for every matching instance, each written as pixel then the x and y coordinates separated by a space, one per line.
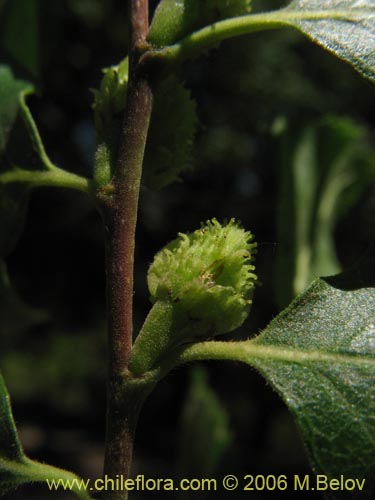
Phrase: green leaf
pixel 343 27
pixel 204 429
pixel 319 355
pixel 174 19
pixel 15 467
pixel 23 159
pixel 13 199
pixel 15 315
pixel 21 16
pixel 171 135
pixel 349 32
pixel 334 159
pixel 328 382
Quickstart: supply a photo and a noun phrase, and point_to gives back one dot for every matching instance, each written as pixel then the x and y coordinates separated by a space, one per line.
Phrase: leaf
pixel 23 160
pixel 319 354
pixel 343 27
pixel 323 350
pixel 174 19
pixel 171 133
pixel 15 467
pixel 204 429
pixel 10 91
pixel 13 199
pixel 333 158
pixel 172 130
pixel 349 32
pixel 21 16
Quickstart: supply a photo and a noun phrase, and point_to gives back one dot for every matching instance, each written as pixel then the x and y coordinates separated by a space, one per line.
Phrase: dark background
pixel 55 371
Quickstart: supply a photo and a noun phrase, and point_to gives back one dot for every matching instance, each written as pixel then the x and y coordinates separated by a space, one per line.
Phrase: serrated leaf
pixel 319 355
pixel 171 135
pixel 204 429
pixel 21 16
pixel 15 467
pixel 10 91
pixel 343 27
pixel 348 29
pixel 334 159
pixel 174 19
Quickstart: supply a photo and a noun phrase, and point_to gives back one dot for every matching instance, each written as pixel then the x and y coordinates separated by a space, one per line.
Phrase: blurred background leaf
pixel 16 468
pixel 326 167
pixel 325 371
pixel 13 144
pixel 204 432
pixel 20 34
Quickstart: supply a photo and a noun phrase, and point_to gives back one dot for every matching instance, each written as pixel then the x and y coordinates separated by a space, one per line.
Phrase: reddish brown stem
pixel 121 223
pixel 124 396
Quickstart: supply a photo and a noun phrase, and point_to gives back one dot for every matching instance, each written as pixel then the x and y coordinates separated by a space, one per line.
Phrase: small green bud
pixel 108 105
pixel 208 275
pixel 109 100
pixel 201 285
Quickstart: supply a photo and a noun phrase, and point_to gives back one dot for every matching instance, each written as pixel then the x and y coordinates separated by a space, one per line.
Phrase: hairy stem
pixel 121 216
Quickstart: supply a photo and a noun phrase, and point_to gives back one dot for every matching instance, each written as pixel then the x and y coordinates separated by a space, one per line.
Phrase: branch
pixel 138 23
pixel 122 213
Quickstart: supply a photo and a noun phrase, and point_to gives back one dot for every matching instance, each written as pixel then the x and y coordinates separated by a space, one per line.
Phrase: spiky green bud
pixel 208 275
pixel 201 285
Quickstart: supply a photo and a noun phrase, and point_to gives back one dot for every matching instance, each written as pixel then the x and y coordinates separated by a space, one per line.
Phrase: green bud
pixel 108 105
pixel 201 285
pixel 208 275
pixel 109 100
